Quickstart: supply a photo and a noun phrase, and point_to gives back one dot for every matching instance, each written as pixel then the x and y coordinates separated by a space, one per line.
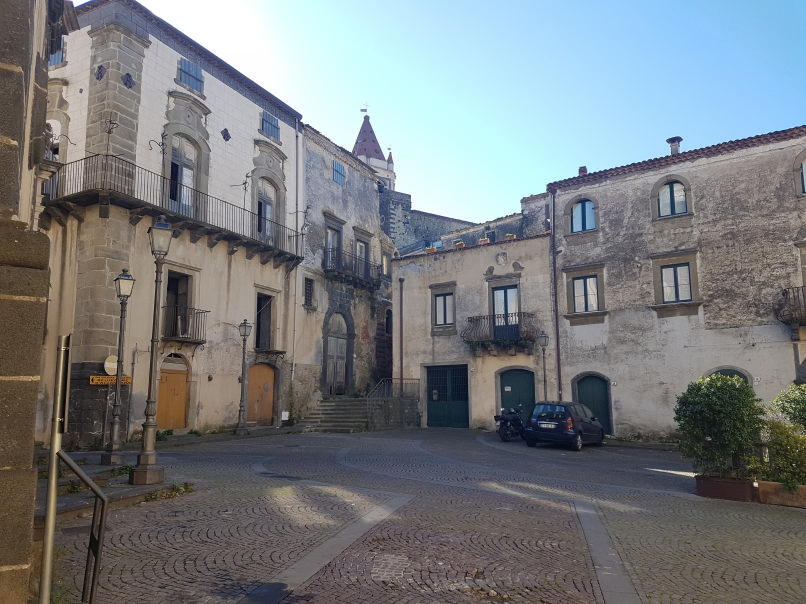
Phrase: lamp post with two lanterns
pixel 146 472
pixel 124 285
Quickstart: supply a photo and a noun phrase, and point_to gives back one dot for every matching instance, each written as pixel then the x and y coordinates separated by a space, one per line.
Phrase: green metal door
pixel 592 391
pixel 518 388
pixel 447 397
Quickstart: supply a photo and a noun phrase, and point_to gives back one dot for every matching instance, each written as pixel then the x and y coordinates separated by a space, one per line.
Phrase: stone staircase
pixel 337 415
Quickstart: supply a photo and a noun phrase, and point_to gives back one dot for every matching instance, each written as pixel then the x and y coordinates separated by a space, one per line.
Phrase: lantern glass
pixel 543 340
pixel 160 236
pixel 124 284
pixel 244 329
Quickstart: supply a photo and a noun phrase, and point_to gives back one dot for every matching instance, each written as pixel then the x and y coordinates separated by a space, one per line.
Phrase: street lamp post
pixel 244 329
pixel 124 285
pixel 146 472
pixel 543 342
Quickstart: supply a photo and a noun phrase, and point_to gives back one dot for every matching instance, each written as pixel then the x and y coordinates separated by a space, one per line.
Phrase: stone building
pixel 673 268
pixel 654 274
pixel 272 223
pixel 469 322
pixel 31 32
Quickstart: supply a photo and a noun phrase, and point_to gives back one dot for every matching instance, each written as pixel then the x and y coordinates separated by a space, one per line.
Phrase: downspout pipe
pixel 400 333
pixel 553 252
pixel 300 251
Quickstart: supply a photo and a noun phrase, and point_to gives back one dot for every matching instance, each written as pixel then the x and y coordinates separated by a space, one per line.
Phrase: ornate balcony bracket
pixel 790 309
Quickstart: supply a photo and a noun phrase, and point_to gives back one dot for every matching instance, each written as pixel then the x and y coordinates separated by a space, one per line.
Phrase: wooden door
pixel 336 364
pixel 592 391
pixel 172 399
pixel 260 395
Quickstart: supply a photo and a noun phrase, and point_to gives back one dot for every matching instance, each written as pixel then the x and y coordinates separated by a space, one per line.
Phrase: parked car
pixel 572 424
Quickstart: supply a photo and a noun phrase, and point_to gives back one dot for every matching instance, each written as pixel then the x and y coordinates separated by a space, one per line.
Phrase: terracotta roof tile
pixel 686 156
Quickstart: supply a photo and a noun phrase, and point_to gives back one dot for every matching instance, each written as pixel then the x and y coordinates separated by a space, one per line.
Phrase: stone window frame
pixel 442 289
pixel 579 237
pixel 269 165
pixel 799 175
pixel 677 219
pixel 192 129
pixel 677 257
pixel 597 270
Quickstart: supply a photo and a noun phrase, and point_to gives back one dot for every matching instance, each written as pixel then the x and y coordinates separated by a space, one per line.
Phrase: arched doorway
pixel 335 373
pixel 593 391
pixel 731 372
pixel 172 399
pixel 260 397
pixel 518 388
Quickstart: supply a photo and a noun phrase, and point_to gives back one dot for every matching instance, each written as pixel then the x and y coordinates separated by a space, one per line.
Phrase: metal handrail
pixel 395 388
pixel 184 323
pixel 111 173
pixel 344 262
pixel 501 327
pixel 97 530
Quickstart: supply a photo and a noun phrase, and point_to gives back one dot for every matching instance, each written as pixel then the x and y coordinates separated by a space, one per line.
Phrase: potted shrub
pixel 509 236
pixel 459 244
pixel 719 421
pixel 430 250
pixel 484 241
pixel 781 471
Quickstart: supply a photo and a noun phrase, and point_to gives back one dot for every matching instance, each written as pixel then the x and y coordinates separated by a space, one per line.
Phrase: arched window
pixel 672 199
pixel 582 216
pixel 183 175
pixel 266 198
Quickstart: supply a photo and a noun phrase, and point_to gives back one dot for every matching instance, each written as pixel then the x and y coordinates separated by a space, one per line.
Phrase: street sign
pixel 109 380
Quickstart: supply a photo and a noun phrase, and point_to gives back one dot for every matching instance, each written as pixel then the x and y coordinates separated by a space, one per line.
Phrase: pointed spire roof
pixel 367 143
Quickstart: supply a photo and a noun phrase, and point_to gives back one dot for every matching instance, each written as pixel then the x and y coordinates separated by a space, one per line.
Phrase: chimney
pixel 583 170
pixel 674 144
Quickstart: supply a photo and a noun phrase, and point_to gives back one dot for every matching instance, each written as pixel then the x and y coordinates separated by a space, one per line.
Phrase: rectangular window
pixel 308 292
pixel 676 279
pixel 270 125
pixel 190 75
pixel 506 311
pixel 263 322
pixel 339 174
pixel 803 177
pixel 586 294
pixel 57 54
pixel 385 265
pixel 443 309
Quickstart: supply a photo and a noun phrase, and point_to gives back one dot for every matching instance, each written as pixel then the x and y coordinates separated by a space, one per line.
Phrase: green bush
pixel 785 461
pixel 792 403
pixel 719 420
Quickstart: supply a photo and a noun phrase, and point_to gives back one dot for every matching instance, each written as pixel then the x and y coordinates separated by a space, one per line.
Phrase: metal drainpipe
pixel 400 335
pixel 299 252
pixel 553 246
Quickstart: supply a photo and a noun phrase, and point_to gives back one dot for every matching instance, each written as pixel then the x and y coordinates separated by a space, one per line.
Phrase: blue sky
pixel 483 103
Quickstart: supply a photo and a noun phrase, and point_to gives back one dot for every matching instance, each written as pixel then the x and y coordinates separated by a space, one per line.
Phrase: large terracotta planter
pixel 726 488
pixel 774 493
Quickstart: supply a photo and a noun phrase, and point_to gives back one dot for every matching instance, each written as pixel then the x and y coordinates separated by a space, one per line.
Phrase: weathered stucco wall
pixel 471 273
pixel 738 235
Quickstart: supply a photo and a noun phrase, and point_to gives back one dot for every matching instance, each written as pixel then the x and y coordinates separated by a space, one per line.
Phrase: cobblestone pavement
pixel 437 516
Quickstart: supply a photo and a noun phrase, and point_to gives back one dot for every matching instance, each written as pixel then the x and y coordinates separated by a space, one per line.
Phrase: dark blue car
pixel 572 424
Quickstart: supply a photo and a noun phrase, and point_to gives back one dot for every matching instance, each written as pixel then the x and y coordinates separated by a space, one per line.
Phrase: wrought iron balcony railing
pixel 132 186
pixel 184 324
pixel 342 264
pixel 504 328
pixel 790 307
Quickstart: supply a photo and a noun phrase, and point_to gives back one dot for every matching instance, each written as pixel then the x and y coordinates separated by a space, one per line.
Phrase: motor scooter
pixel 510 424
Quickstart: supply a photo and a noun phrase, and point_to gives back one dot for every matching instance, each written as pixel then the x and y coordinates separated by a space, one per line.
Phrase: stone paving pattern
pixel 485 521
